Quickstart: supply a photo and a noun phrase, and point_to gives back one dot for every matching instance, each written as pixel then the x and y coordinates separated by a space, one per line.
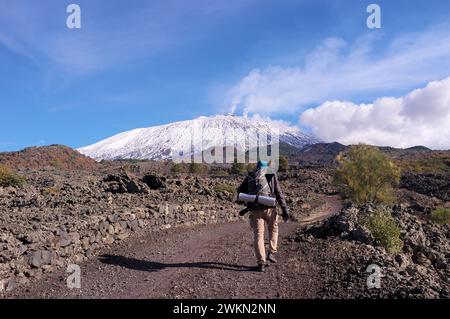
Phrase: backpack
pixel 258 185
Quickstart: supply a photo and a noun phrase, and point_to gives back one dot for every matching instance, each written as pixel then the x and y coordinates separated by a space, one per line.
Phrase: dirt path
pixel 213 261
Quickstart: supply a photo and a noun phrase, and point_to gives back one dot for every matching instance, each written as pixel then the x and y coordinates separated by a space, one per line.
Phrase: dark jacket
pixel 275 189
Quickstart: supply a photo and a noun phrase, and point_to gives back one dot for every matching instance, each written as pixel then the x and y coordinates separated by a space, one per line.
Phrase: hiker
pixel 260 183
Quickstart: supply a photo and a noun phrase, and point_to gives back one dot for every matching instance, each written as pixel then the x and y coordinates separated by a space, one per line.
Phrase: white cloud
pixel 421 117
pixel 339 70
pixel 275 123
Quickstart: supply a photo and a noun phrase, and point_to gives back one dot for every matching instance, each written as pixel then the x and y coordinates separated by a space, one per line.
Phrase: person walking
pixel 259 182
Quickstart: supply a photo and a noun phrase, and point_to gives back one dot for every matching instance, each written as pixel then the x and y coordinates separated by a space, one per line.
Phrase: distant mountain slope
pixel 320 153
pixel 400 152
pixel 58 156
pixel 162 142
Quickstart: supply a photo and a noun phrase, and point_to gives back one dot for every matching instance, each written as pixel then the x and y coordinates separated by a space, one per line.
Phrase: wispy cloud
pixel 111 35
pixel 15 46
pixel 7 143
pixel 38 31
pixel 340 70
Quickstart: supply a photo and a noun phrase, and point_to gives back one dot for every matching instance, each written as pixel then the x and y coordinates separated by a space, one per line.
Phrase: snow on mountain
pixel 203 133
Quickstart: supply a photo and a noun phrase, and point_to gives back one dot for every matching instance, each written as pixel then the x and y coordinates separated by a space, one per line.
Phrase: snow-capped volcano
pixel 200 134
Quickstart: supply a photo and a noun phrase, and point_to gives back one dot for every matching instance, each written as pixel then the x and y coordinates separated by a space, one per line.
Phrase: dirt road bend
pixel 212 261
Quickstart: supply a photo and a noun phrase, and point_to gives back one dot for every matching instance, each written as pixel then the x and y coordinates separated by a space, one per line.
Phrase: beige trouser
pixel 258 220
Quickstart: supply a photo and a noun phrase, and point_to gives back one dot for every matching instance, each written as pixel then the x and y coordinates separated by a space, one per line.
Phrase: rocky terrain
pixel 430 184
pixel 137 221
pixel 419 270
pixel 66 216
pixel 58 219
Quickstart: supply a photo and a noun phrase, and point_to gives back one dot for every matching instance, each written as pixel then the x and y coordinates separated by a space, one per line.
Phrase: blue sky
pixel 142 63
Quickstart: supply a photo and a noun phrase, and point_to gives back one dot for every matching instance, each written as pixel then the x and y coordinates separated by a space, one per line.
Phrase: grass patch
pixel 239 168
pixel 178 168
pixel 10 178
pixel 49 191
pixel 226 188
pixel 242 168
pixel 221 173
pixel 441 216
pixel 196 168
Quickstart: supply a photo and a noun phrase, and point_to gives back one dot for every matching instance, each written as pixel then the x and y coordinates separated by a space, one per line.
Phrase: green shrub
pixel 9 178
pixel 57 163
pixel 385 231
pixel 441 216
pixel 250 167
pixel 178 168
pixel 226 188
pixel 219 172
pixel 239 168
pixel 196 168
pixel 366 175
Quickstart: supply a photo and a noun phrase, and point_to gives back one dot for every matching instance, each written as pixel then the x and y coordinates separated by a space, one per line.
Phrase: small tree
pixel 366 175
pixel 284 163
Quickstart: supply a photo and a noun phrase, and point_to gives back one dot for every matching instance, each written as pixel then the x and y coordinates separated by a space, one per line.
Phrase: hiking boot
pixel 271 258
pixel 261 268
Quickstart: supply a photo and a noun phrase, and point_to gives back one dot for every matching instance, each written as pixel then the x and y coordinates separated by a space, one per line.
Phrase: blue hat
pixel 262 164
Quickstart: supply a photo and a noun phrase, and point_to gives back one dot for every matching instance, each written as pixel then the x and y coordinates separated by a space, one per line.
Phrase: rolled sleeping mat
pixel 264 200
